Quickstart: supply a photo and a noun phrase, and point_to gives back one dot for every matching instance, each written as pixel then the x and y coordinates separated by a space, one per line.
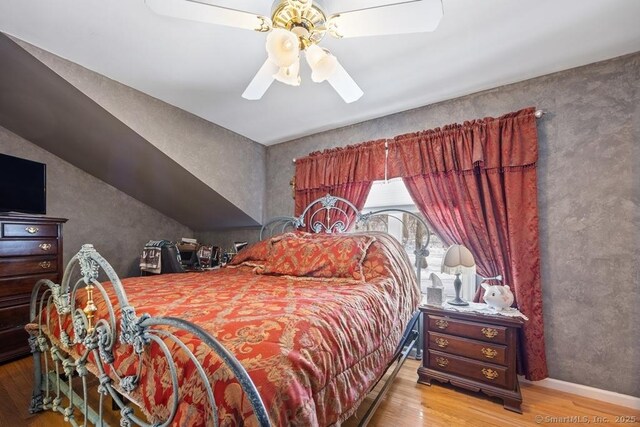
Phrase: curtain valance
pixel 501 143
pixel 492 143
pixel 338 166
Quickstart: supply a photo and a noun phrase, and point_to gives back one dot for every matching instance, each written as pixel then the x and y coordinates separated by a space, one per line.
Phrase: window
pixel 393 194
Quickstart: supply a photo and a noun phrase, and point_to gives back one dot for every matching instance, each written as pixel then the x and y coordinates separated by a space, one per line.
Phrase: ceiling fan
pixel 299 25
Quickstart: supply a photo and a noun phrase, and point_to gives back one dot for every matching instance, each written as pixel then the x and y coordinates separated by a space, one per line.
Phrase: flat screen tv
pixel 23 186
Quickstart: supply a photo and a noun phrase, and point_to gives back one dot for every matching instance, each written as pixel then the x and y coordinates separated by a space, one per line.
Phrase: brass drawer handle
pixel 490 374
pixel 442 362
pixel 442 324
pixel 32 230
pixel 45 246
pixel 489 332
pixel 45 264
pixel 489 353
pixel 442 343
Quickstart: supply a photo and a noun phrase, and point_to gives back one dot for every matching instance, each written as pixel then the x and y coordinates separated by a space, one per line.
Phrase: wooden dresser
pixel 471 350
pixel 30 250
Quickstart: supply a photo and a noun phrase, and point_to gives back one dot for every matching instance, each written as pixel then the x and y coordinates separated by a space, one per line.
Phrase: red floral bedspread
pixel 314 347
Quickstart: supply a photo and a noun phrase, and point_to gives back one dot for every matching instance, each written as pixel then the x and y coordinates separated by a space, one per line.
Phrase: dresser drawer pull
pixel 489 353
pixel 45 264
pixel 45 246
pixel 489 332
pixel 442 362
pixel 442 324
pixel 442 343
pixel 490 374
pixel 32 230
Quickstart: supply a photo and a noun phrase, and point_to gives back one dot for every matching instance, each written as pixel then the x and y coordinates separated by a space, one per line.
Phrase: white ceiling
pixel 205 68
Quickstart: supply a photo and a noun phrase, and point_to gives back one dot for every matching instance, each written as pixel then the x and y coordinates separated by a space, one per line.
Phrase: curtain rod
pixel 538 115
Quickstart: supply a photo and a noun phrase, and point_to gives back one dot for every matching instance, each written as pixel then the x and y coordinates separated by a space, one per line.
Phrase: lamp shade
pixel 323 64
pixel 283 47
pixel 457 260
pixel 289 75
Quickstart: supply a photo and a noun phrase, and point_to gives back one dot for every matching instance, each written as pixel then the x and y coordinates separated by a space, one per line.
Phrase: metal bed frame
pixel 53 387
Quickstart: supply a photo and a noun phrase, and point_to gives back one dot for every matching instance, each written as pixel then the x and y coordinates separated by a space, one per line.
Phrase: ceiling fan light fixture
pixel 297 25
pixel 323 64
pixel 289 75
pixel 283 47
pixel 300 4
pixel 300 31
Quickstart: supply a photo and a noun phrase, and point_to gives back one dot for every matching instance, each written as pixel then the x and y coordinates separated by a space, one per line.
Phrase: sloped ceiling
pixel 203 68
pixel 45 109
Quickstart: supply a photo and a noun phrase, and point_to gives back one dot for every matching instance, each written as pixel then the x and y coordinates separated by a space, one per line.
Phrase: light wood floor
pixel 407 404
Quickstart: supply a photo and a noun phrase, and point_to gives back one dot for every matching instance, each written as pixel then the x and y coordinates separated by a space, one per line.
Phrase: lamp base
pixel 458 302
pixel 457 285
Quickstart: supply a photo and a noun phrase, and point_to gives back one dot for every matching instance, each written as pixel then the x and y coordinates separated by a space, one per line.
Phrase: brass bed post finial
pixel 90 309
pixel 89 270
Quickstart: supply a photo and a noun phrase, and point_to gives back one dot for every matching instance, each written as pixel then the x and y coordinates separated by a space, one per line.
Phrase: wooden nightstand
pixel 473 351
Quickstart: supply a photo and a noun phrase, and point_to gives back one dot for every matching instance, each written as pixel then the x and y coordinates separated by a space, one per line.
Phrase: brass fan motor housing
pixel 308 23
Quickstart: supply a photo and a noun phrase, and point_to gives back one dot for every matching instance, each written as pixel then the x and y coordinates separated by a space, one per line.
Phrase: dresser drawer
pixel 14 317
pixel 31 265
pixel 494 353
pixel 14 343
pixel 29 230
pixel 484 372
pixel 461 328
pixel 28 247
pixel 10 287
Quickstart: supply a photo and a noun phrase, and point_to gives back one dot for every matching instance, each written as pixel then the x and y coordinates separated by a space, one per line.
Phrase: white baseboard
pixel 590 392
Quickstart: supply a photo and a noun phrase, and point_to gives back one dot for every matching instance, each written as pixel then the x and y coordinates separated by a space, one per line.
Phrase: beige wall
pixel 115 223
pixel 589 196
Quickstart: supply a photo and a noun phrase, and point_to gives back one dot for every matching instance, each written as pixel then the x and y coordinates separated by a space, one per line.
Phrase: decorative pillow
pixel 376 262
pixel 257 252
pixel 338 256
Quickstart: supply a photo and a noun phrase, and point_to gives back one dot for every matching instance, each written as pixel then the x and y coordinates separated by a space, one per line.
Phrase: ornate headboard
pixel 331 214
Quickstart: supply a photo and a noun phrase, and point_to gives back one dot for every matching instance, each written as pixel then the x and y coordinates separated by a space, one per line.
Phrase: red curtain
pixel 476 185
pixel 346 172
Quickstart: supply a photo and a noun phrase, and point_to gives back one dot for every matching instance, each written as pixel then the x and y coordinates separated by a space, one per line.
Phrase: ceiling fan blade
pixel 261 81
pixel 414 16
pixel 208 13
pixel 346 87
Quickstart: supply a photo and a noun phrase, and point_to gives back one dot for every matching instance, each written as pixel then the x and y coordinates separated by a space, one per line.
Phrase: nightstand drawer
pixel 484 372
pixel 461 328
pixel 29 230
pixel 494 353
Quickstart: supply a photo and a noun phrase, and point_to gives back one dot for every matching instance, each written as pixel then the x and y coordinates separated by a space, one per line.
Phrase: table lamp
pixel 457 260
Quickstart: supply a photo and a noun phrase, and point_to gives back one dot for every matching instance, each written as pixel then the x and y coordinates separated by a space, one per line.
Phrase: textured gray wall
pixel 117 224
pixel 234 166
pixel 589 194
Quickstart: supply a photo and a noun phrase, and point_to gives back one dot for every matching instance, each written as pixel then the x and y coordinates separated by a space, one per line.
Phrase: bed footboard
pixel 66 359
